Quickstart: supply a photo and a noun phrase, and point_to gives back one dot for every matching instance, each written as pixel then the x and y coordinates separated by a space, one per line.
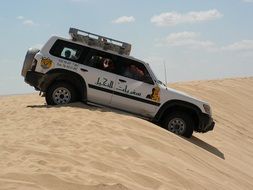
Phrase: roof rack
pixel 100 41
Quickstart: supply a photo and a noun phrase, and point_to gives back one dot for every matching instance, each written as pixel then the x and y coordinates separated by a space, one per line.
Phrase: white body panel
pixel 112 85
pixel 135 99
pixel 172 94
pixel 100 79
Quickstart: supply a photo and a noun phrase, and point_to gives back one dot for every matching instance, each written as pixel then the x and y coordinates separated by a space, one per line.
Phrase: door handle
pixel 84 70
pixel 121 80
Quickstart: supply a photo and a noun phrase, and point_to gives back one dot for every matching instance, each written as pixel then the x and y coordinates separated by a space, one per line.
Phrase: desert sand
pixel 81 147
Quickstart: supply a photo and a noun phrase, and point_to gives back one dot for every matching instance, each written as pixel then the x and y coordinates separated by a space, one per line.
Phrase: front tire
pixel 60 93
pixel 179 123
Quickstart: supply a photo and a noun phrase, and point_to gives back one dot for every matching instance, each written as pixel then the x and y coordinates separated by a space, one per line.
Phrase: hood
pixel 172 94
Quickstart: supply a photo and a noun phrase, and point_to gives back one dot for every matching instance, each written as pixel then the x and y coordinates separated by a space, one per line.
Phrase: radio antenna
pixel 165 72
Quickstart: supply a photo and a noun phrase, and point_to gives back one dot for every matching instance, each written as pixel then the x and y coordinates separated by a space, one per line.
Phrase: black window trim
pixel 77 46
pixel 85 55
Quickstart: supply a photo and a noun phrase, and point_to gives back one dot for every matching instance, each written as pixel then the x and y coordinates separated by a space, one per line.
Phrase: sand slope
pixel 83 147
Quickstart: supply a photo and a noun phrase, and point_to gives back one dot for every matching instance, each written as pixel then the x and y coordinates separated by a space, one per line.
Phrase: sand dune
pixel 84 147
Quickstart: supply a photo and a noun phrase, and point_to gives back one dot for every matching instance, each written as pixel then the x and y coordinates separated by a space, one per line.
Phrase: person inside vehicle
pixel 134 72
pixel 108 65
pixel 67 54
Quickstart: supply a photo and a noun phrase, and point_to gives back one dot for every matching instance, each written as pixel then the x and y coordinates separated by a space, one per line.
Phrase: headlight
pixel 207 109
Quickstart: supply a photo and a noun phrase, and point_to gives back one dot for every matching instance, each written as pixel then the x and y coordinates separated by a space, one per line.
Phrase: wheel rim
pixel 177 125
pixel 61 95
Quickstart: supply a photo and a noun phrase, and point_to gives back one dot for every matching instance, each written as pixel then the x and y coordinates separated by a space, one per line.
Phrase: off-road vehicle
pixel 96 69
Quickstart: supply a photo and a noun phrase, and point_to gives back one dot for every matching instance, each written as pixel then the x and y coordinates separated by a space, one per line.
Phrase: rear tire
pixel 60 93
pixel 179 123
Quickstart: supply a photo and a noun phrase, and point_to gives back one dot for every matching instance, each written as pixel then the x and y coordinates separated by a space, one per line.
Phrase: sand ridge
pixel 84 147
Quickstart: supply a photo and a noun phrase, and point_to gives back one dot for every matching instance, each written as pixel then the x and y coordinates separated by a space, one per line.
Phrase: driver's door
pixel 137 95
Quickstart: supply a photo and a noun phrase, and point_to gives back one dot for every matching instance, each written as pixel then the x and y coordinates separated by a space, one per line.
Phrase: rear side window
pixel 68 50
pixel 101 60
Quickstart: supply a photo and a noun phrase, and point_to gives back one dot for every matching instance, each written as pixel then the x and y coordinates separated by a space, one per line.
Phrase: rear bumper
pixel 34 79
pixel 206 123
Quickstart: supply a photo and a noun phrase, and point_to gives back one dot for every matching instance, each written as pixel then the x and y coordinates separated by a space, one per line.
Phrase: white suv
pixel 96 69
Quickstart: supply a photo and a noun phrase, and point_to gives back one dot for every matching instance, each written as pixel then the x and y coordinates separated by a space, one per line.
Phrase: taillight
pixel 34 63
pixel 207 109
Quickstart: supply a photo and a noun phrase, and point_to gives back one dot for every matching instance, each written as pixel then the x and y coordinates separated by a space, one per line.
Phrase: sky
pixel 194 39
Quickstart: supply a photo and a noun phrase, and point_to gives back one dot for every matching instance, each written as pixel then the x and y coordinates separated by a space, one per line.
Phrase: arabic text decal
pixel 67 65
pixel 125 89
pixel 102 81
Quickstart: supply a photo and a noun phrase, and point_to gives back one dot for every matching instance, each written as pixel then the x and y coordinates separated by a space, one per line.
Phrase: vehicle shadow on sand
pixel 80 105
pixel 202 144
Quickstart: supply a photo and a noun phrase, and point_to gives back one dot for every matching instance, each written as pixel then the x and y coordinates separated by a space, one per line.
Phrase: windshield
pixel 155 76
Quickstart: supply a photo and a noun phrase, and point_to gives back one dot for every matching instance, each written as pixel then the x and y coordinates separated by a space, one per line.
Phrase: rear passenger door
pixel 96 67
pixel 135 90
pixel 98 71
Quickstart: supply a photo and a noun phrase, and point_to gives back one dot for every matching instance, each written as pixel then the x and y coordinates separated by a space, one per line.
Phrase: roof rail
pixel 100 41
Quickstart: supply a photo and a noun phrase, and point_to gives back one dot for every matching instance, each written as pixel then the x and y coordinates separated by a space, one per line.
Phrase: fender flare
pixel 71 77
pixel 176 105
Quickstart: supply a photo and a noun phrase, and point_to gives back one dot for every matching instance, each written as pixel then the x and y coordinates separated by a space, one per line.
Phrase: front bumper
pixel 206 123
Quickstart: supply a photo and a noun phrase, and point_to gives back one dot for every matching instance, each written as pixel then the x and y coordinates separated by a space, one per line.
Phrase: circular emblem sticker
pixel 46 63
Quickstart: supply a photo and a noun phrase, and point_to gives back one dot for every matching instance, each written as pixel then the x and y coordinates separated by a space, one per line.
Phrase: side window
pixel 134 70
pixel 70 53
pixel 101 60
pixel 68 50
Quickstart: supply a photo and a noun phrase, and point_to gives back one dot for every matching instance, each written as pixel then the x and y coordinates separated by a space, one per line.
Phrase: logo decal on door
pixel 155 95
